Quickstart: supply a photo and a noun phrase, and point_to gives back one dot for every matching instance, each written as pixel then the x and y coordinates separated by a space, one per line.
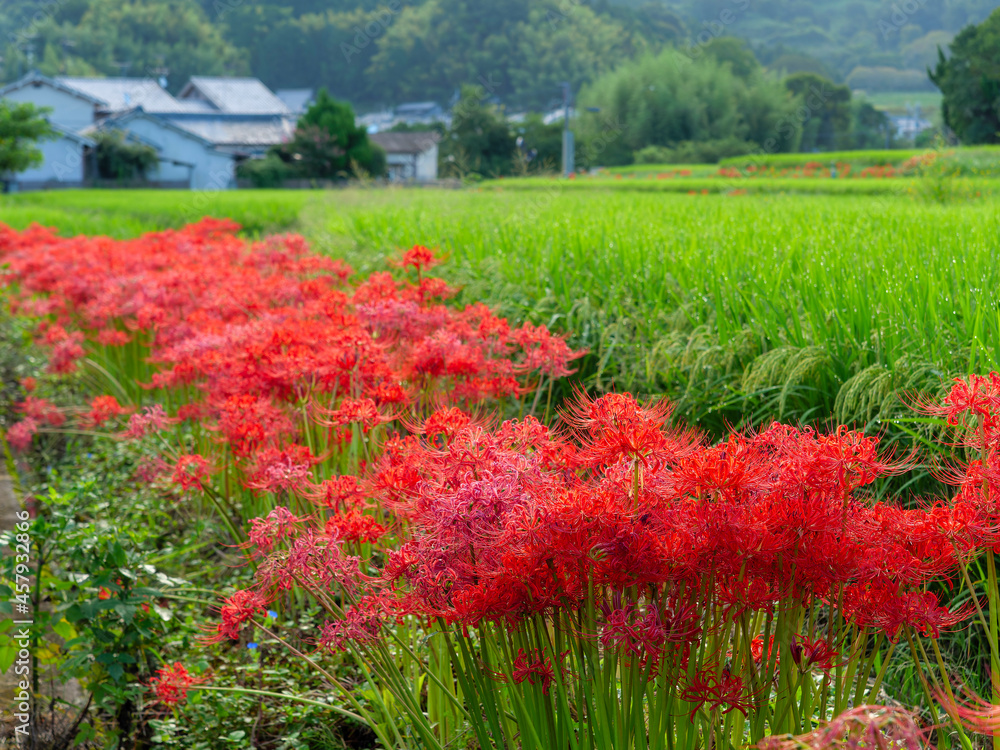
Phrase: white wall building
pixel 410 157
pixel 64 163
pixel 185 158
pixel 198 136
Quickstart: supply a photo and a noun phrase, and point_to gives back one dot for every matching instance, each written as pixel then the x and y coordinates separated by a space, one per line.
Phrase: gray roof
pixel 121 94
pixel 116 121
pixel 238 132
pixel 405 143
pixel 69 135
pixel 234 95
pixel 297 100
pixel 418 108
pixel 34 77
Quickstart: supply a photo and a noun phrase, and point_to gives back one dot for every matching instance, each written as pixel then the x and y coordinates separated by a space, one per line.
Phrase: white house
pixel 185 158
pixel 198 136
pixel 64 163
pixel 410 157
pixel 72 109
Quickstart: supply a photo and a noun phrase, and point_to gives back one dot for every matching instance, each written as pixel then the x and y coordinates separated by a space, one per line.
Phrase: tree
pixel 479 140
pixel 733 52
pixel 22 125
pixel 674 101
pixel 328 143
pixel 829 107
pixel 870 128
pixel 970 82
pixel 117 159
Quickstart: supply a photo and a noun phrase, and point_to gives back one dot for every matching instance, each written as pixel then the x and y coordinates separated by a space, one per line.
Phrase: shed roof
pixel 236 131
pixel 406 143
pixel 297 100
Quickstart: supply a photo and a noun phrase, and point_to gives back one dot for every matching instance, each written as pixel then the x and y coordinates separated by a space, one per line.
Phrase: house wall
pixel 211 171
pixel 427 164
pixel 68 111
pixel 63 166
pixel 401 166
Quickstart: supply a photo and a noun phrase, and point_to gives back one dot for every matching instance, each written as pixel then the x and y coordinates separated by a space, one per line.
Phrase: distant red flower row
pixel 263 327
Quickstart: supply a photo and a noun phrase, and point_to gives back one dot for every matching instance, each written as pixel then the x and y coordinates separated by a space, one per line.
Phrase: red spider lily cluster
pixel 747 584
pixel 171 683
pixel 266 332
pixel 649 525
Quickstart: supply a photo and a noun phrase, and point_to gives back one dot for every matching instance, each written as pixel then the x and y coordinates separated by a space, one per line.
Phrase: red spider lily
pixel 19 434
pixel 808 654
pixel 972 712
pixel 708 689
pixel 533 668
pixel 265 533
pixel 362 624
pixel 863 726
pixel 29 384
pixel 616 427
pixel 171 683
pixel 757 649
pixel 103 409
pixel 420 258
pixel 445 422
pixel 112 337
pixel 190 471
pixel 361 411
pixel 42 411
pixel 315 561
pixel 975 396
pixel 150 420
pixel 337 493
pixel 282 470
pixel 354 527
pixel 237 610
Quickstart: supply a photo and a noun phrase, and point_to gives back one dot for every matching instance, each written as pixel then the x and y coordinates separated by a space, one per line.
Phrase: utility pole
pixel 567 142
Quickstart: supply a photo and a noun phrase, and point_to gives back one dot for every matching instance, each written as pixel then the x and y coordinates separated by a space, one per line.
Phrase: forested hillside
pixel 377 54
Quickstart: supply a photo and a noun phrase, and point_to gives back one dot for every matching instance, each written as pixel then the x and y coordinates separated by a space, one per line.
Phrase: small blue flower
pixel 252 645
pixel 272 614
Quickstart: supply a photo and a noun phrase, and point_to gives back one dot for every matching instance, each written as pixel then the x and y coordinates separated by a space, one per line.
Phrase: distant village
pixel 201 134
pixel 212 125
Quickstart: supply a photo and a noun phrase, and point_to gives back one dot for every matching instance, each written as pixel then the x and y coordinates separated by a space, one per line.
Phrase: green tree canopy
pixel 970 82
pixel 479 141
pixel 671 99
pixel 328 144
pixel 22 125
pixel 829 109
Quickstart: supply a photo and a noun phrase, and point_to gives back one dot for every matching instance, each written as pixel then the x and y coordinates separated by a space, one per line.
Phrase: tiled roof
pixel 120 94
pixel 235 131
pixel 405 143
pixel 234 95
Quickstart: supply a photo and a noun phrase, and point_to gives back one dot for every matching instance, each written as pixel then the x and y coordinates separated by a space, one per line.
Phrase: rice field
pixel 796 307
